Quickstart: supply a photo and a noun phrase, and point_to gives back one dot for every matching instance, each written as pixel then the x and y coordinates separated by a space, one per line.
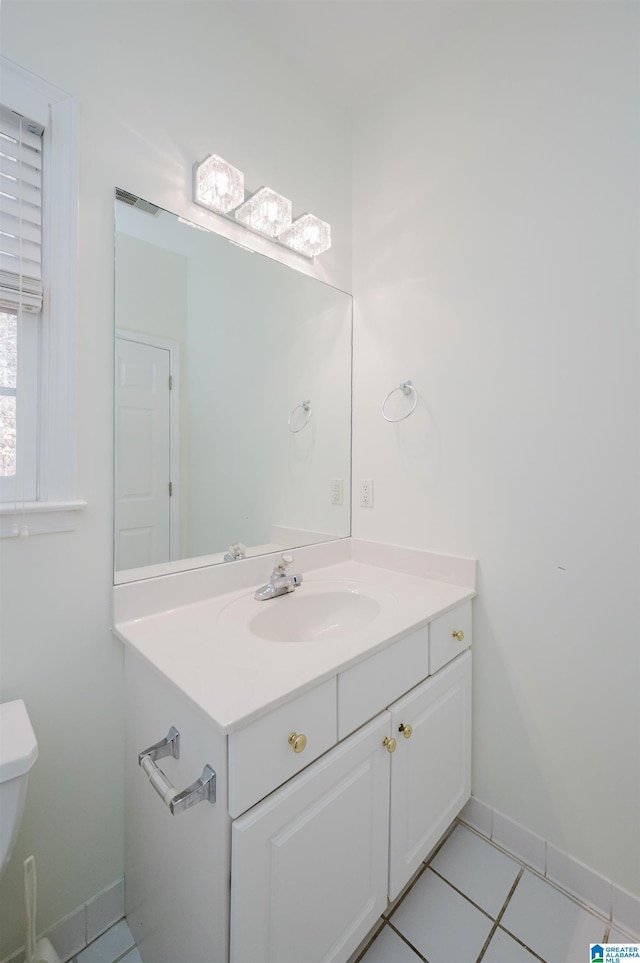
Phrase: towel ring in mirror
pixel 306 406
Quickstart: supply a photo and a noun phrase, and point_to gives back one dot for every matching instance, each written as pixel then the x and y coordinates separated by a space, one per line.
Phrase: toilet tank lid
pixel 18 746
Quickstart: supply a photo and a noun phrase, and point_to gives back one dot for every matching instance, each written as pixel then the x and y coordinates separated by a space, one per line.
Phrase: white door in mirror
pixel 142 498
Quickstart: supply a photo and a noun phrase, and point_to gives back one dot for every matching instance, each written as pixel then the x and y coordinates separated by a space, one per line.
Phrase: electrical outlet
pixel 336 491
pixel 366 493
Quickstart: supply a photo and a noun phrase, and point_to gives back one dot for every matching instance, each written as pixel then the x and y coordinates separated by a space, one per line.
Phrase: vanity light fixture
pixel 219 187
pixel 266 212
pixel 308 235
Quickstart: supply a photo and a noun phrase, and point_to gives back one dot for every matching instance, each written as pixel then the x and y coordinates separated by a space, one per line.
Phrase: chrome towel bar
pixel 202 788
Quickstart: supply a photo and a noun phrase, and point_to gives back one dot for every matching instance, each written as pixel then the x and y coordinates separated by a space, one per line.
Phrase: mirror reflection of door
pixel 145 478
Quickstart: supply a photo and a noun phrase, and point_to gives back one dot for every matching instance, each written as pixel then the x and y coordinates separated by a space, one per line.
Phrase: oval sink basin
pixel 315 611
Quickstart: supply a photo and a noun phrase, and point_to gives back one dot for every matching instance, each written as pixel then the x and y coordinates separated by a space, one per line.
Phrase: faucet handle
pixel 283 565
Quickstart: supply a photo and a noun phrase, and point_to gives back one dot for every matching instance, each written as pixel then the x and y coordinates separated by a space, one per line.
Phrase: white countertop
pixel 235 677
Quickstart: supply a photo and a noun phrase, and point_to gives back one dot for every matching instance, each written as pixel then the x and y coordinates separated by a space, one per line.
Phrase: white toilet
pixel 18 752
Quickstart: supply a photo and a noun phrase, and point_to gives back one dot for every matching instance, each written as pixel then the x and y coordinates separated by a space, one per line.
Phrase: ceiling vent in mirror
pixel 219 187
pixel 134 201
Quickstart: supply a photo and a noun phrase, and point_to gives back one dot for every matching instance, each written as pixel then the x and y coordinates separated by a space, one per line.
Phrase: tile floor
pixel 470 903
pixel 115 946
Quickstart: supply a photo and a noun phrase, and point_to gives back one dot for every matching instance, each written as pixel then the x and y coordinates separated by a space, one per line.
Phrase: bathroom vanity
pixel 337 721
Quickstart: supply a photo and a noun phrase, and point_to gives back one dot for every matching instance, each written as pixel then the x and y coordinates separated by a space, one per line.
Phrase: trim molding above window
pixel 56 504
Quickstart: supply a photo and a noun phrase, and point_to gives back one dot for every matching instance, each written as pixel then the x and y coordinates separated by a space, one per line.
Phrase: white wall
pixel 495 264
pixel 159 86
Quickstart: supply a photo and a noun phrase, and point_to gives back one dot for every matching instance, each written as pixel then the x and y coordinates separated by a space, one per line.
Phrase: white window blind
pixel 41 497
pixel 20 213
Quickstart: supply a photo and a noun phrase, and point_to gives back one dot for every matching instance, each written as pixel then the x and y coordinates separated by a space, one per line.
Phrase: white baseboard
pixel 84 925
pixel 580 881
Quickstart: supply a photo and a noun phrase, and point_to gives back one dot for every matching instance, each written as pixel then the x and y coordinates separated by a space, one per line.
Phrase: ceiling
pixel 355 50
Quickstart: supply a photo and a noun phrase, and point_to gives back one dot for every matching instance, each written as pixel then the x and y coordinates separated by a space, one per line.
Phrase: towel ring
pixel 406 388
pixel 306 406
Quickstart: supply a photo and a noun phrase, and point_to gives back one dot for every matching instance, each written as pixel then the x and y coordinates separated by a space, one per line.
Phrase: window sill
pixel 38 518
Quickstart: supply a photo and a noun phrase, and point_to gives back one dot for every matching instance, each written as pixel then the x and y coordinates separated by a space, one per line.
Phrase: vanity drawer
pixel 261 757
pixel 372 685
pixel 449 635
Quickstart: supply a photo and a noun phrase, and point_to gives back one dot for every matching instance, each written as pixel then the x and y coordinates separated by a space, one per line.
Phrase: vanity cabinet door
pixel 309 863
pixel 431 769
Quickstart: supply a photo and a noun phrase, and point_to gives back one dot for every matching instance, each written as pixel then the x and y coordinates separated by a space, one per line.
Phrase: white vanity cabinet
pixel 326 804
pixel 314 864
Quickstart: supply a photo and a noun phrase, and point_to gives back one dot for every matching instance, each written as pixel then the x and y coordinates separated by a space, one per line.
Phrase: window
pixel 8 379
pixel 18 417
pixel 20 303
pixel 38 272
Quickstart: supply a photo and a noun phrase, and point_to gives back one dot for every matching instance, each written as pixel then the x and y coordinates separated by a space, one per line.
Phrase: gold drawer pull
pixel 459 635
pixel 390 744
pixel 407 731
pixel 297 742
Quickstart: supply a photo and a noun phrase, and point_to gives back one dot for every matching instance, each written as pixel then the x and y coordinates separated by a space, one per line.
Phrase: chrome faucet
pixel 236 550
pixel 280 582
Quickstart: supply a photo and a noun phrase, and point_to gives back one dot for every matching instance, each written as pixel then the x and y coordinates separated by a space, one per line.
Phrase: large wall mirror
pixel 232 399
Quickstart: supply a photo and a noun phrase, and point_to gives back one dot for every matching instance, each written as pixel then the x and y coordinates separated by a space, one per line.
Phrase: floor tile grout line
pixel 464 895
pixel 499 923
pixel 405 940
pixel 116 959
pixel 388 913
pixel 436 849
pixel 427 865
pixel 517 939
pixel 123 956
pixel 485 946
pixel 542 876
pixel 574 899
pixel 500 914
pixel 371 941
pixel 509 895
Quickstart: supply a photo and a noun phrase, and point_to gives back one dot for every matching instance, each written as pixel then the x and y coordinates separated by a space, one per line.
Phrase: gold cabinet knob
pixel 459 635
pixel 407 731
pixel 297 742
pixel 390 744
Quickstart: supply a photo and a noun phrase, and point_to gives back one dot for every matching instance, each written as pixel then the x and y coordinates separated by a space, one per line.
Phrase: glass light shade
pixel 218 185
pixel 266 212
pixel 308 235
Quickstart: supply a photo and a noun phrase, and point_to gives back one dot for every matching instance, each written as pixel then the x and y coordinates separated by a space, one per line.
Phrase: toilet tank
pixel 18 752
